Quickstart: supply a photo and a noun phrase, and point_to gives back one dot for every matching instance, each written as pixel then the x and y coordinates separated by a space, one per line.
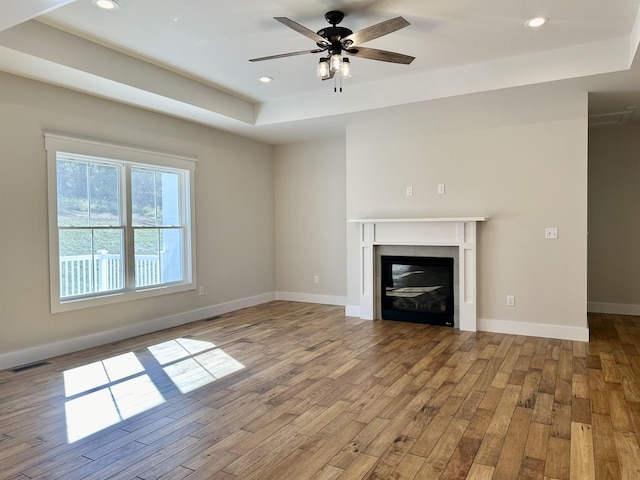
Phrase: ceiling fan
pixel 335 40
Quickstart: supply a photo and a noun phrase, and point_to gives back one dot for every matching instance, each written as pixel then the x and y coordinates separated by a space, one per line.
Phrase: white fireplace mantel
pixel 448 232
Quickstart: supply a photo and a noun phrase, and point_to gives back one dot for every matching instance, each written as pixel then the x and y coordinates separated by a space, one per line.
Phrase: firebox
pixel 417 289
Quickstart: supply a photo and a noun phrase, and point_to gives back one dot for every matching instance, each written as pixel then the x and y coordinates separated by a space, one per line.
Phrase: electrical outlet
pixel 316 279
pixel 551 233
pixel 511 300
pixel 201 291
pixel 409 191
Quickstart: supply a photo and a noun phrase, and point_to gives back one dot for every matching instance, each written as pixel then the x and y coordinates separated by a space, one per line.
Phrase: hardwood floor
pixel 298 391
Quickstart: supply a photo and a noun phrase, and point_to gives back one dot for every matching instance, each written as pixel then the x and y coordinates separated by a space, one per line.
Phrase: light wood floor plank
pixel 511 456
pixel 628 454
pixel 480 472
pixel 582 459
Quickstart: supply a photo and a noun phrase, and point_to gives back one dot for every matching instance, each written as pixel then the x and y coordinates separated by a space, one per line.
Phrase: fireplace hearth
pixel 417 289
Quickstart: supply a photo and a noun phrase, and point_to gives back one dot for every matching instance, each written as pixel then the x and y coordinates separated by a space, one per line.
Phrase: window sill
pixel 120 297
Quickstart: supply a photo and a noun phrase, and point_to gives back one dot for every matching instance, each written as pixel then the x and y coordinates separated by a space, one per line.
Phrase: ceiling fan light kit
pixel 335 41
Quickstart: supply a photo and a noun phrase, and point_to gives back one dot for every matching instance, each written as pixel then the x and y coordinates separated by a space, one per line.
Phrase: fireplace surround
pixel 457 232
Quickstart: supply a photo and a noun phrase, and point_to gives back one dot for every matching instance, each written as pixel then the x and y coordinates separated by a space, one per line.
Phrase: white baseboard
pixel 534 329
pixel 311 298
pixel 34 354
pixel 352 311
pixel 616 308
pixel 515 328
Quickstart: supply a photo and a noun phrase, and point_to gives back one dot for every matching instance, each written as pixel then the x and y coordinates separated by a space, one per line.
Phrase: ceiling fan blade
pixel 376 31
pixel 283 55
pixel 382 55
pixel 303 30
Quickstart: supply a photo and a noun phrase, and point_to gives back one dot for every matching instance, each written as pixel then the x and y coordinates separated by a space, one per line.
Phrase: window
pixel 120 222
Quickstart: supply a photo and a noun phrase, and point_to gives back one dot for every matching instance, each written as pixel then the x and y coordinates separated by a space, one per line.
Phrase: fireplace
pixel 439 236
pixel 417 289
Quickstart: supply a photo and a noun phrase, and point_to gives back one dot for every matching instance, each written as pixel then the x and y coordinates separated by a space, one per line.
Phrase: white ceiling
pixel 189 58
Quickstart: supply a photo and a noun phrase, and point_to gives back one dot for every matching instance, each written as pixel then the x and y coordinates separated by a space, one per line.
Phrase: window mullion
pixel 129 246
pixel 185 224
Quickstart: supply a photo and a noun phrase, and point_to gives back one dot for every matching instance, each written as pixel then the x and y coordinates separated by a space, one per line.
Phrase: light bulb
pixel 335 62
pixel 345 71
pixel 323 68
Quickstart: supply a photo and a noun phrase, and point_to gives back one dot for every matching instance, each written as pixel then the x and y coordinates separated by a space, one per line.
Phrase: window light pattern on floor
pixel 104 393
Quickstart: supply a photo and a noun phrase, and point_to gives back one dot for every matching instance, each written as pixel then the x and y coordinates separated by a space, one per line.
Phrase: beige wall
pixel 310 204
pixel 614 218
pixel 516 156
pixel 234 211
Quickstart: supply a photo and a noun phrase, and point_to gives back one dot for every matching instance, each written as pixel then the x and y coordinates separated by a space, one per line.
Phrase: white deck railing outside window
pixel 86 274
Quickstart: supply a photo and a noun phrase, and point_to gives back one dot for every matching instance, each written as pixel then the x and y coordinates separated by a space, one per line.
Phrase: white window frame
pixel 133 157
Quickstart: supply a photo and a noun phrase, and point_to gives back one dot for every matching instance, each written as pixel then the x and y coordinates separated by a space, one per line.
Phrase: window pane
pixel 88 193
pixel 171 267
pixel 90 261
pixel 104 195
pixel 143 197
pixel 108 259
pixel 155 198
pixel 76 274
pixel 168 196
pixel 159 256
pixel 147 248
pixel 73 195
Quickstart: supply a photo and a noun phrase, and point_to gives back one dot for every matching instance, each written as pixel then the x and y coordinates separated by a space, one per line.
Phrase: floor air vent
pixel 29 366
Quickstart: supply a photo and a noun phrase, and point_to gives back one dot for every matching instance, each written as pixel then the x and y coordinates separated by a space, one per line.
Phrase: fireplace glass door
pixel 417 289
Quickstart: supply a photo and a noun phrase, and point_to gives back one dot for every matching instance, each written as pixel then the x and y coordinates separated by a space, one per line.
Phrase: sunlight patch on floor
pixel 173 350
pixel 104 393
pixel 95 411
pixel 93 375
pixel 196 372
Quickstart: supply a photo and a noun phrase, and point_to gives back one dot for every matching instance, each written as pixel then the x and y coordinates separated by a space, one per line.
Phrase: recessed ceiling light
pixel 106 4
pixel 266 79
pixel 536 22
